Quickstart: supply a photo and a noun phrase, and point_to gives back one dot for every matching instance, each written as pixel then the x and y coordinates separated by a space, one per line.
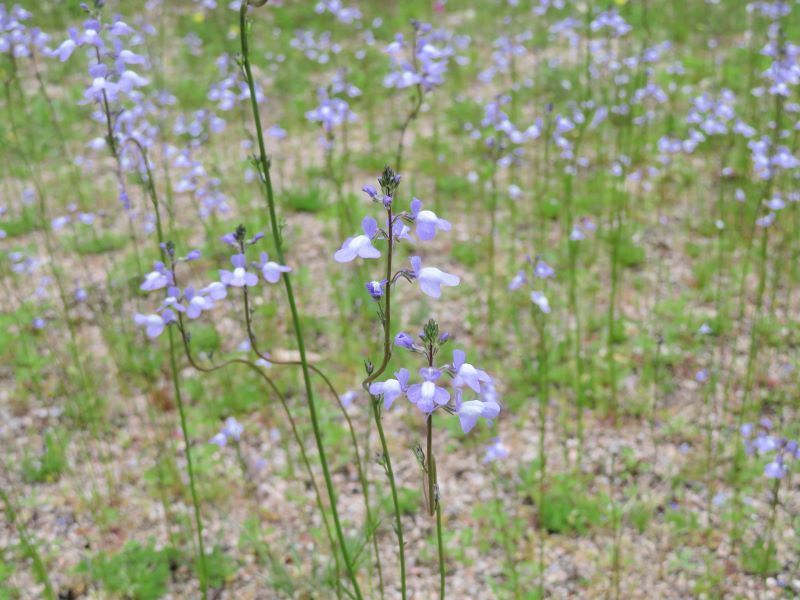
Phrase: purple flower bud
pixel 375 288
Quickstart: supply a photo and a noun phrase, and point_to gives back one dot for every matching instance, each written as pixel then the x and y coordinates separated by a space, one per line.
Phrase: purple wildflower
pixel 239 277
pixel 359 245
pixel 432 279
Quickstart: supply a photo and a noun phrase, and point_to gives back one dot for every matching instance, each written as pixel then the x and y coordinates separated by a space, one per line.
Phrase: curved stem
pixel 371 524
pixel 292 424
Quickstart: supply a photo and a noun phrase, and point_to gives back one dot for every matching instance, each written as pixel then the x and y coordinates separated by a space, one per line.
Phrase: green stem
pixel 189 465
pixel 387 464
pixel 376 414
pixel 441 544
pixel 433 502
pixel 29 547
pixel 276 237
pixel 177 386
pixel 508 543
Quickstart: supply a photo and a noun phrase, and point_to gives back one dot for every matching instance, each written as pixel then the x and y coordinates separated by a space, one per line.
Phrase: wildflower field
pixel 410 299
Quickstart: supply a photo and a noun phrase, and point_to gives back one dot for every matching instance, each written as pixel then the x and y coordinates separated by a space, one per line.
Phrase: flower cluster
pixel 430 392
pixel 231 430
pixel 193 303
pixel 112 75
pixel 343 14
pixel 541 271
pixel 397 228
pixel 16 39
pixel 428 61
pixel 762 441
pixel 331 111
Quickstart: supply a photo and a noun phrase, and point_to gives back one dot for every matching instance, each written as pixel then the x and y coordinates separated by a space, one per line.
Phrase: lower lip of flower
pixel 428 390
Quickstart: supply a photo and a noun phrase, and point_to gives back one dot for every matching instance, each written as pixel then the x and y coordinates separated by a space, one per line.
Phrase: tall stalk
pixel 544 400
pixel 167 254
pixel 372 375
pixel 264 163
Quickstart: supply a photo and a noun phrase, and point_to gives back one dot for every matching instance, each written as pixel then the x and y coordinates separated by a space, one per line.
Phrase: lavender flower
pixel 239 277
pixel 495 451
pixel 432 279
pixel 427 221
pixel 404 340
pixel 470 411
pixel 154 324
pixel 428 396
pixel 391 389
pixel 232 429
pixel 359 245
pixel 775 469
pixel 156 280
pixel 518 281
pixel 466 374
pixel 198 303
pixel 540 300
pixel 543 271
pixel 215 290
pixel 271 270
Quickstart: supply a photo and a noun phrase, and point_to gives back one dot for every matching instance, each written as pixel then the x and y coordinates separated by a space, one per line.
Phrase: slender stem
pixel 29 547
pixel 253 344
pixel 387 307
pixel 429 468
pixel 544 400
pixel 433 495
pixel 508 543
pixel 492 234
pixel 776 488
pixel 189 465
pixel 612 299
pixel 177 386
pixel 439 539
pixel 414 109
pixel 376 413
pixel 276 237
pixel 292 424
pixel 387 464
pixel 337 397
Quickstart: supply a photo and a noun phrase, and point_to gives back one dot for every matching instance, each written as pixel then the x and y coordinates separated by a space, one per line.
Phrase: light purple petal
pixel 370 227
